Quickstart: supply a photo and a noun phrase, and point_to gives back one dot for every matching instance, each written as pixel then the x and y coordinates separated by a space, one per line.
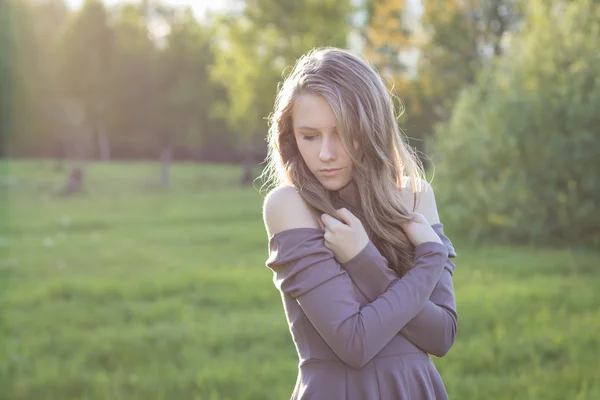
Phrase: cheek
pixel 305 151
pixel 299 145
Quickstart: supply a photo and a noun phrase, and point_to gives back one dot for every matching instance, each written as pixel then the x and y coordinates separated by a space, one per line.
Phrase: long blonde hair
pixel 364 113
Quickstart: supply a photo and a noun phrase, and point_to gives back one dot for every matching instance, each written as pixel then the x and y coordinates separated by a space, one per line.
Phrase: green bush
pixel 520 156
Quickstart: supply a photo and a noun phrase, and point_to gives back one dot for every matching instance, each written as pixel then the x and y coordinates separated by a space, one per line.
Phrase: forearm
pixel 310 274
pixel 434 328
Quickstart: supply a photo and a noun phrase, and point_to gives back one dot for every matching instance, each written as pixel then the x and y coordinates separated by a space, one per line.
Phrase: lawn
pixel 131 291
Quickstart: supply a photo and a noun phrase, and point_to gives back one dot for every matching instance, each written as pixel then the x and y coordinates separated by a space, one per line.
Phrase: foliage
pixel 87 53
pixel 186 92
pixel 390 30
pixel 429 55
pixel 33 75
pixel 133 78
pixel 135 74
pixel 519 159
pixel 6 70
pixel 85 60
pixel 258 44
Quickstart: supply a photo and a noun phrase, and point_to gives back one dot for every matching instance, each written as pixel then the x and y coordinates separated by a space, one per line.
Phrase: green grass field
pixel 134 292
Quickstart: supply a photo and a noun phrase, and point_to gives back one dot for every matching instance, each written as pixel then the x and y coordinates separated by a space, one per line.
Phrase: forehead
pixel 312 110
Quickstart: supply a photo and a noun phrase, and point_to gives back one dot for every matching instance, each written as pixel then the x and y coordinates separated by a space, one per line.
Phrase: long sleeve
pixel 434 328
pixel 305 269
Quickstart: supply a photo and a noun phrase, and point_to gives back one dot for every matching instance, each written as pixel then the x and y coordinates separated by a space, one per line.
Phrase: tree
pixel 130 113
pixel 161 77
pixel 185 86
pixel 87 54
pixel 516 161
pixel 464 36
pixel 50 18
pixel 392 31
pixel 256 45
pixel 26 71
pixel 393 37
pixel 449 42
pixel 7 48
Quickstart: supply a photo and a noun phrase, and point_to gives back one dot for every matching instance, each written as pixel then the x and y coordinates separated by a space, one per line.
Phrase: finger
pixel 346 216
pixel 329 221
pixel 321 225
pixel 420 218
pixel 328 236
pixel 410 218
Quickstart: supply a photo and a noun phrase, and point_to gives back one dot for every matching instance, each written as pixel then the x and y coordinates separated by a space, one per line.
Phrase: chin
pixel 334 185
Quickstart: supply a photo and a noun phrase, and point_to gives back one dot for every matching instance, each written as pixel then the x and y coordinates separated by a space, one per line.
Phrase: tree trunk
pixel 76 149
pixel 76 140
pixel 165 158
pixel 74 183
pixel 103 144
pixel 248 174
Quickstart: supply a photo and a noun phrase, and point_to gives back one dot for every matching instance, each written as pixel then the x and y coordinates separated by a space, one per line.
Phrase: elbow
pixel 355 354
pixel 441 350
pixel 444 345
pixel 351 345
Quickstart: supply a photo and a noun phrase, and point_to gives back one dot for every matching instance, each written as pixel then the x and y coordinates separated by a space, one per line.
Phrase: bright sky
pixel 199 6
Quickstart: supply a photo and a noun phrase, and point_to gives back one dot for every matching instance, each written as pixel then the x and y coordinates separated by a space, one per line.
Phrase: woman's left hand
pixel 345 238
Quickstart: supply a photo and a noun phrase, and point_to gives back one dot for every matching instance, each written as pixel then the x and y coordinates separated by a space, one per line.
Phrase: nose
pixel 328 151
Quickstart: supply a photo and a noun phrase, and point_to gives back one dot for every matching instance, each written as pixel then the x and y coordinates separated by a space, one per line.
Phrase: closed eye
pixel 309 137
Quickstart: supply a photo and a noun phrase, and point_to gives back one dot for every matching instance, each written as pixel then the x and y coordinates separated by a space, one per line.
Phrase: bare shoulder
pixel 284 209
pixel 425 199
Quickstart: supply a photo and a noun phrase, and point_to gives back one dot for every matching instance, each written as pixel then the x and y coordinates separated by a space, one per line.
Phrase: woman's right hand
pixel 419 230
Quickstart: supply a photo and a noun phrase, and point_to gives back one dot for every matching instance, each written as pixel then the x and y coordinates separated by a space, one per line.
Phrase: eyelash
pixel 309 138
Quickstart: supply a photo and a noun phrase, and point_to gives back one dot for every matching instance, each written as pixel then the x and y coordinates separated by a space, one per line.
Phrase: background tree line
pixel 502 96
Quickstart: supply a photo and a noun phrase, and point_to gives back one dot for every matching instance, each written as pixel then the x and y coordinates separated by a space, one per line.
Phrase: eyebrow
pixel 308 128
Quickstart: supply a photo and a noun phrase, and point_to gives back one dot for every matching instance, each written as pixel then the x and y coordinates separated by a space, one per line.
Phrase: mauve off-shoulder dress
pixel 362 333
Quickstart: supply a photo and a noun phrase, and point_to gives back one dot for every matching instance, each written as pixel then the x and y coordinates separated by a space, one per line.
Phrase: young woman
pixel 356 246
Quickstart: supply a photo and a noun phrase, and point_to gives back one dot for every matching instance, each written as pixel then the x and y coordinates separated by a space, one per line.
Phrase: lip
pixel 330 171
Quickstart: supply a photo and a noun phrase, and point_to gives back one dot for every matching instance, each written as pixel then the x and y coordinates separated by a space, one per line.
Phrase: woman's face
pixel 318 141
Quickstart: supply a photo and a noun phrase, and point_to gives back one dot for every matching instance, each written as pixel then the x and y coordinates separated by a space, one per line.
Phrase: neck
pixel 349 194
